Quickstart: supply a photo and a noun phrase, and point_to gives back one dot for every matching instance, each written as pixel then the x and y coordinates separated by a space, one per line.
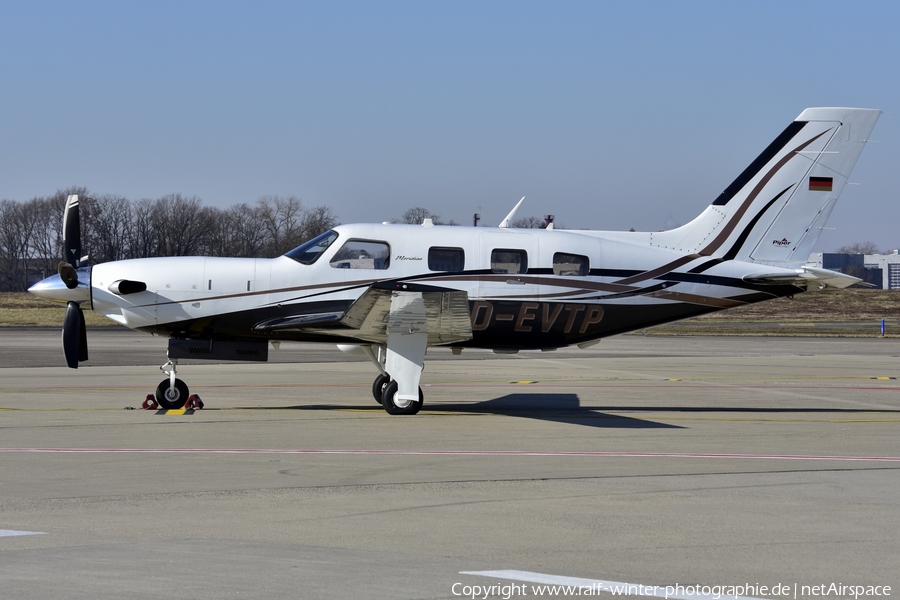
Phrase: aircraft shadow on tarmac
pixel 558 408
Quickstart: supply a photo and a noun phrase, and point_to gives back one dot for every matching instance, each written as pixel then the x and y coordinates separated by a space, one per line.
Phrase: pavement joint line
pixel 395 452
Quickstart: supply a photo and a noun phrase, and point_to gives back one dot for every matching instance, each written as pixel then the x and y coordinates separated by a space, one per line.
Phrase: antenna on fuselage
pixel 505 222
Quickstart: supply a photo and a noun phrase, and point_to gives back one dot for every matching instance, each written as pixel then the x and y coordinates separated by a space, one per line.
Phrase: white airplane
pixel 391 291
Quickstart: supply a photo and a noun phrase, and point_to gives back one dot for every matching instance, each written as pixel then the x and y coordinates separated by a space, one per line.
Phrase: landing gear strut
pixel 171 393
pixel 401 359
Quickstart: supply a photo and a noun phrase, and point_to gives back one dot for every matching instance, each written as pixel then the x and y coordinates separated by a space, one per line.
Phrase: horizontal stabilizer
pixel 807 277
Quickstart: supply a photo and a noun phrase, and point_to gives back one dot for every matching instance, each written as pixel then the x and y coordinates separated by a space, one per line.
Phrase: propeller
pixel 71 243
pixel 74 334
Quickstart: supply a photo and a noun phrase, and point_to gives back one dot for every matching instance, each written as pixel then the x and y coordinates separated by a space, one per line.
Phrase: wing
pixel 446 315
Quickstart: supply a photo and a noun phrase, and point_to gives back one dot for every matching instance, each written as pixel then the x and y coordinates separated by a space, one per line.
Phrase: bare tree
pixel 417 216
pixel 13 245
pixel 181 225
pixel 108 228
pixel 45 250
pixel 859 248
pixel 281 219
pixel 316 220
pixel 236 232
pixel 530 222
pixel 142 239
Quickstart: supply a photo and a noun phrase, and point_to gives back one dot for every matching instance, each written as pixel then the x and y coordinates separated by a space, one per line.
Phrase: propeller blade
pixel 74 336
pixel 72 233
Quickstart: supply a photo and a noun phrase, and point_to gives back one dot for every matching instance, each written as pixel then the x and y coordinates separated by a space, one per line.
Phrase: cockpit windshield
pixel 309 252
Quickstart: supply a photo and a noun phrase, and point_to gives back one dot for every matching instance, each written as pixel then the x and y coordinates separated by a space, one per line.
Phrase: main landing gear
pixel 171 393
pixel 400 361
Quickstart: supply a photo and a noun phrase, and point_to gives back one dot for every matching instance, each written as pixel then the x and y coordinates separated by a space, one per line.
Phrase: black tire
pixel 378 387
pixel 172 399
pixel 388 401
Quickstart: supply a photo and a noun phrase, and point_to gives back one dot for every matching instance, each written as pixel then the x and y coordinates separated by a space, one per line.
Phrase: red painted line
pixel 445 453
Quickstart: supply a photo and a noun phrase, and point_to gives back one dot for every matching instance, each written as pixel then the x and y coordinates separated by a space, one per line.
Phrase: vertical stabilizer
pixel 774 211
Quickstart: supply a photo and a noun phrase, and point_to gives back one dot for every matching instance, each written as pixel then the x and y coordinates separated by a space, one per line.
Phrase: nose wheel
pixel 172 398
pixel 171 393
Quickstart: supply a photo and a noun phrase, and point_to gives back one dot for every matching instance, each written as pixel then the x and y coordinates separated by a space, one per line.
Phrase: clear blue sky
pixel 608 114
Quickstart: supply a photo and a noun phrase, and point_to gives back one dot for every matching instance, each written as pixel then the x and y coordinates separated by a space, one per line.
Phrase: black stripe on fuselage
pixel 707 265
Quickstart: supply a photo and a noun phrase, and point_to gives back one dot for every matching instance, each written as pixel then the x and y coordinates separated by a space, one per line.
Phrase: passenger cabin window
pixel 571 264
pixel 447 259
pixel 362 254
pixel 309 252
pixel 509 261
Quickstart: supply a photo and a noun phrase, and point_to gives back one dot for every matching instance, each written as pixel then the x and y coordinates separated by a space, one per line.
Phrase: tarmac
pixel 743 463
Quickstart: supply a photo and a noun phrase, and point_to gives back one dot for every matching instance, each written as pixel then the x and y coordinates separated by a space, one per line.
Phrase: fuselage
pixel 526 288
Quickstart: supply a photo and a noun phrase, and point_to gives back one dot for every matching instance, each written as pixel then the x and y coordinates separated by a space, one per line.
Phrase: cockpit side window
pixel 309 252
pixel 362 254
pixel 571 264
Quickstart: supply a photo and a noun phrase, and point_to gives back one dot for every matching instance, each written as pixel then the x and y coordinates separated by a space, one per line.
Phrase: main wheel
pixel 172 398
pixel 392 404
pixel 378 387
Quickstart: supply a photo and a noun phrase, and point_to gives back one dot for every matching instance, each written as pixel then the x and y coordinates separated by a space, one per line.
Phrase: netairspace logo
pixel 710 592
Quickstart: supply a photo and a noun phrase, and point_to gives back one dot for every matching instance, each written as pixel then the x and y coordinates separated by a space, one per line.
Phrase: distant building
pixel 880 270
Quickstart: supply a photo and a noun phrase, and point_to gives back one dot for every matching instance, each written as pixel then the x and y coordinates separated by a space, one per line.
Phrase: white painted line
pixel 616 588
pixel 13 533
pixel 698 455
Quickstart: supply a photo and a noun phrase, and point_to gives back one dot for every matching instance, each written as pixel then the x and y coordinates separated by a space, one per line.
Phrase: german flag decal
pixel 820 184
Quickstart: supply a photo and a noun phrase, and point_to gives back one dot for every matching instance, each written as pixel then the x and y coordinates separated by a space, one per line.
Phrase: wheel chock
pixel 150 403
pixel 194 402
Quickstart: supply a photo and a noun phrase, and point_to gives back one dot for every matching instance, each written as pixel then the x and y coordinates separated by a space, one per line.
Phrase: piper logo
pixel 781 242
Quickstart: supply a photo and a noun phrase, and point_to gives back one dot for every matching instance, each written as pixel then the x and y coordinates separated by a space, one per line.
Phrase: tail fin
pixel 774 211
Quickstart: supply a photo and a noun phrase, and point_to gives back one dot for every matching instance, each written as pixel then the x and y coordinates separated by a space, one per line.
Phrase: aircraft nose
pixel 53 288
